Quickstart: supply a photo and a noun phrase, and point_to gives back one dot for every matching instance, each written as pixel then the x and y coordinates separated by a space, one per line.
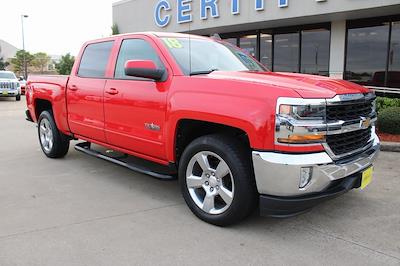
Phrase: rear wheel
pixel 53 143
pixel 217 181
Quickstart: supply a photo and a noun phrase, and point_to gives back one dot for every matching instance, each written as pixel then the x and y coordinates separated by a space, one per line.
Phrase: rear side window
pixel 135 49
pixel 94 60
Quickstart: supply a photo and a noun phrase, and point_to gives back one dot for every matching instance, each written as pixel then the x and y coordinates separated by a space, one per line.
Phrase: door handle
pixel 73 88
pixel 112 91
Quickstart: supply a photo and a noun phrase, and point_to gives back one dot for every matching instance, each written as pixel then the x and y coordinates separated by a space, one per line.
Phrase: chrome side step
pixel 135 164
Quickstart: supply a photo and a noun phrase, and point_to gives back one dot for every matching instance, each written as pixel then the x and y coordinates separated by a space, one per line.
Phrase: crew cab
pixel 9 85
pixel 236 135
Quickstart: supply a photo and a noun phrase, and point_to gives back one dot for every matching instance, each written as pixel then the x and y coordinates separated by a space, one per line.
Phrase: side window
pixel 135 49
pixel 94 60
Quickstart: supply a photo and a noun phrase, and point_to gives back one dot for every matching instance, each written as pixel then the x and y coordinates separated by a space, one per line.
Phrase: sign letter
pixel 160 21
pixel 235 9
pixel 184 7
pixel 211 5
pixel 259 5
pixel 283 3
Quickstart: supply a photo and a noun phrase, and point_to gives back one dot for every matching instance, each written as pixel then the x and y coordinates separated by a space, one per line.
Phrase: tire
pixel 18 97
pixel 54 144
pixel 223 194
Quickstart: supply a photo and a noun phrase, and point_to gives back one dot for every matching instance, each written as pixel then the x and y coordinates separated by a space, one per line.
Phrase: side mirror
pixel 143 69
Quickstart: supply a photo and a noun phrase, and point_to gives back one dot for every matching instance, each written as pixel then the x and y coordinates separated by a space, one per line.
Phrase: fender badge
pixel 152 126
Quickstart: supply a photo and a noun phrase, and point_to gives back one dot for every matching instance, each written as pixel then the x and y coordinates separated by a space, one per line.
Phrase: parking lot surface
pixel 84 211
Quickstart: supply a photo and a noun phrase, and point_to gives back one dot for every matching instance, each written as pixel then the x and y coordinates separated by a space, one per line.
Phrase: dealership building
pixel 357 40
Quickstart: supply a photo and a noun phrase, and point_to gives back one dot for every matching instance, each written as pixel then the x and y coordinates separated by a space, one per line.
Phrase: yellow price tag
pixel 366 177
pixel 173 43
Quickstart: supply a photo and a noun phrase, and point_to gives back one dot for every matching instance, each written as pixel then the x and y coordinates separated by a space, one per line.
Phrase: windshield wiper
pixel 203 72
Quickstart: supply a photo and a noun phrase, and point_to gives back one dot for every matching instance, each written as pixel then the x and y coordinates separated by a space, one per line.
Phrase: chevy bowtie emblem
pixel 365 122
pixel 152 126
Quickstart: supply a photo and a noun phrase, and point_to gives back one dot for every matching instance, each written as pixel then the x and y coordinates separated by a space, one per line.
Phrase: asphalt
pixel 84 211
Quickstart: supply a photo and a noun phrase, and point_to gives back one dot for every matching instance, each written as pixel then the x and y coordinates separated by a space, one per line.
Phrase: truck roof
pixel 152 34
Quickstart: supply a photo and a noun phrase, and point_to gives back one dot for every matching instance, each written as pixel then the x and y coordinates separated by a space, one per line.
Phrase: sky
pixel 55 27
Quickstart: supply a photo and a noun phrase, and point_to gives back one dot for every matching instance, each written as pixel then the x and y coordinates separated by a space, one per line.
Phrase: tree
pixel 114 29
pixel 41 60
pixel 65 65
pixel 3 64
pixel 17 62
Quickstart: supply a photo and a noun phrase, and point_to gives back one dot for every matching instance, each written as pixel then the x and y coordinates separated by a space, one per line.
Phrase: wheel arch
pixel 187 130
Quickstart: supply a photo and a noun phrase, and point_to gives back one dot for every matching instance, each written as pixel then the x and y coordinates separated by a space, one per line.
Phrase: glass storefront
pixel 266 50
pixel 393 79
pixel 373 53
pixel 372 56
pixel 286 52
pixel 249 44
pixel 315 51
pixel 303 49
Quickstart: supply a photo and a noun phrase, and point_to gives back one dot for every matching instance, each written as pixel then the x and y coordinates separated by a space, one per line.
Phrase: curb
pixel 390 146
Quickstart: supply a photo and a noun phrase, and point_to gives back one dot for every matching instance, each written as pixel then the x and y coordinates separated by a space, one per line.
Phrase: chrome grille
pixel 349 111
pixel 8 85
pixel 345 143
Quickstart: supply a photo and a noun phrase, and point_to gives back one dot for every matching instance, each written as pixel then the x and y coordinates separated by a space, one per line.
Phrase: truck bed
pixel 48 79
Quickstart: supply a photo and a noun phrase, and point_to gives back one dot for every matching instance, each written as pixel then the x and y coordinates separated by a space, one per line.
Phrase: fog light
pixel 305 176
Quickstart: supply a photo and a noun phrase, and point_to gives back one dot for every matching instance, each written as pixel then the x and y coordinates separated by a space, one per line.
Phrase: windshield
pixel 206 56
pixel 7 75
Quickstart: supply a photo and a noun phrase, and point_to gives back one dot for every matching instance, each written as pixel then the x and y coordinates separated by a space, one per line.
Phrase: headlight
pixel 300 121
pixel 303 112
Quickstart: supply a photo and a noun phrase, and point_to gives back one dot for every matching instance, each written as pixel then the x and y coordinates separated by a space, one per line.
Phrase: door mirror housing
pixel 143 69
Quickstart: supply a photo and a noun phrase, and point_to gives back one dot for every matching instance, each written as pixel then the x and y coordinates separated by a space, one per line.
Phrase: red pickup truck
pixel 236 135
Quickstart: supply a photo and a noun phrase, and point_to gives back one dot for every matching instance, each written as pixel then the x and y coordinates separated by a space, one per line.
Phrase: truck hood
pixel 307 86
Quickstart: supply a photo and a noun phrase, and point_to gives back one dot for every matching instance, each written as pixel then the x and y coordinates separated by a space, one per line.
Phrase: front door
pixel 135 108
pixel 85 99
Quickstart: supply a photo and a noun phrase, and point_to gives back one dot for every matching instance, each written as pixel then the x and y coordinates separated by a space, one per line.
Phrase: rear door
pixel 135 108
pixel 85 89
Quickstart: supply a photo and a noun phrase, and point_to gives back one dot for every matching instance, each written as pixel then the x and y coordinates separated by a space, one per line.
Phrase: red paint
pixel 140 64
pixel 114 112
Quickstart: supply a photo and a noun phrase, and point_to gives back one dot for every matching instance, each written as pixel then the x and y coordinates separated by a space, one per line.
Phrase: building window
pixel 304 49
pixel 232 41
pixel 266 50
pixel 315 51
pixel 286 52
pixel 367 54
pixel 373 52
pixel 249 44
pixel 393 78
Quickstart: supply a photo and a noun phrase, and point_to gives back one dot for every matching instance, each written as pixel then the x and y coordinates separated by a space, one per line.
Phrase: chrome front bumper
pixel 278 174
pixel 9 93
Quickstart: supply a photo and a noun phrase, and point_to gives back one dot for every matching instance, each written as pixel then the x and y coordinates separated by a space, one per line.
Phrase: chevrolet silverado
pixel 236 135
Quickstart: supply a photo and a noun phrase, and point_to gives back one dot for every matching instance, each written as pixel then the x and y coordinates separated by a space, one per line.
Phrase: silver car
pixel 9 85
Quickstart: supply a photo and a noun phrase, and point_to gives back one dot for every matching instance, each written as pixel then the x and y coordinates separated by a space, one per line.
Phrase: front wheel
pixel 217 181
pixel 53 143
pixel 18 97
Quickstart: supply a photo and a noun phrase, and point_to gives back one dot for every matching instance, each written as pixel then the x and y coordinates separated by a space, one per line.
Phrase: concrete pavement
pixel 84 211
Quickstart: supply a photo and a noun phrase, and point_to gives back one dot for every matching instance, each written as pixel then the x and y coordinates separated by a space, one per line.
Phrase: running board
pixel 130 162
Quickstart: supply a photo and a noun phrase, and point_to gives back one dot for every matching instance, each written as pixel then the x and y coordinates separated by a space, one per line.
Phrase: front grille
pixel 351 111
pixel 8 85
pixel 349 142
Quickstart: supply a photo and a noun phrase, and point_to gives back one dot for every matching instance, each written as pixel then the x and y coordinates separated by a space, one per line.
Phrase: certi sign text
pixel 208 8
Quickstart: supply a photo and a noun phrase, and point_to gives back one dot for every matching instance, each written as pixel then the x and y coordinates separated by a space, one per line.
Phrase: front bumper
pixel 278 176
pixel 9 93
